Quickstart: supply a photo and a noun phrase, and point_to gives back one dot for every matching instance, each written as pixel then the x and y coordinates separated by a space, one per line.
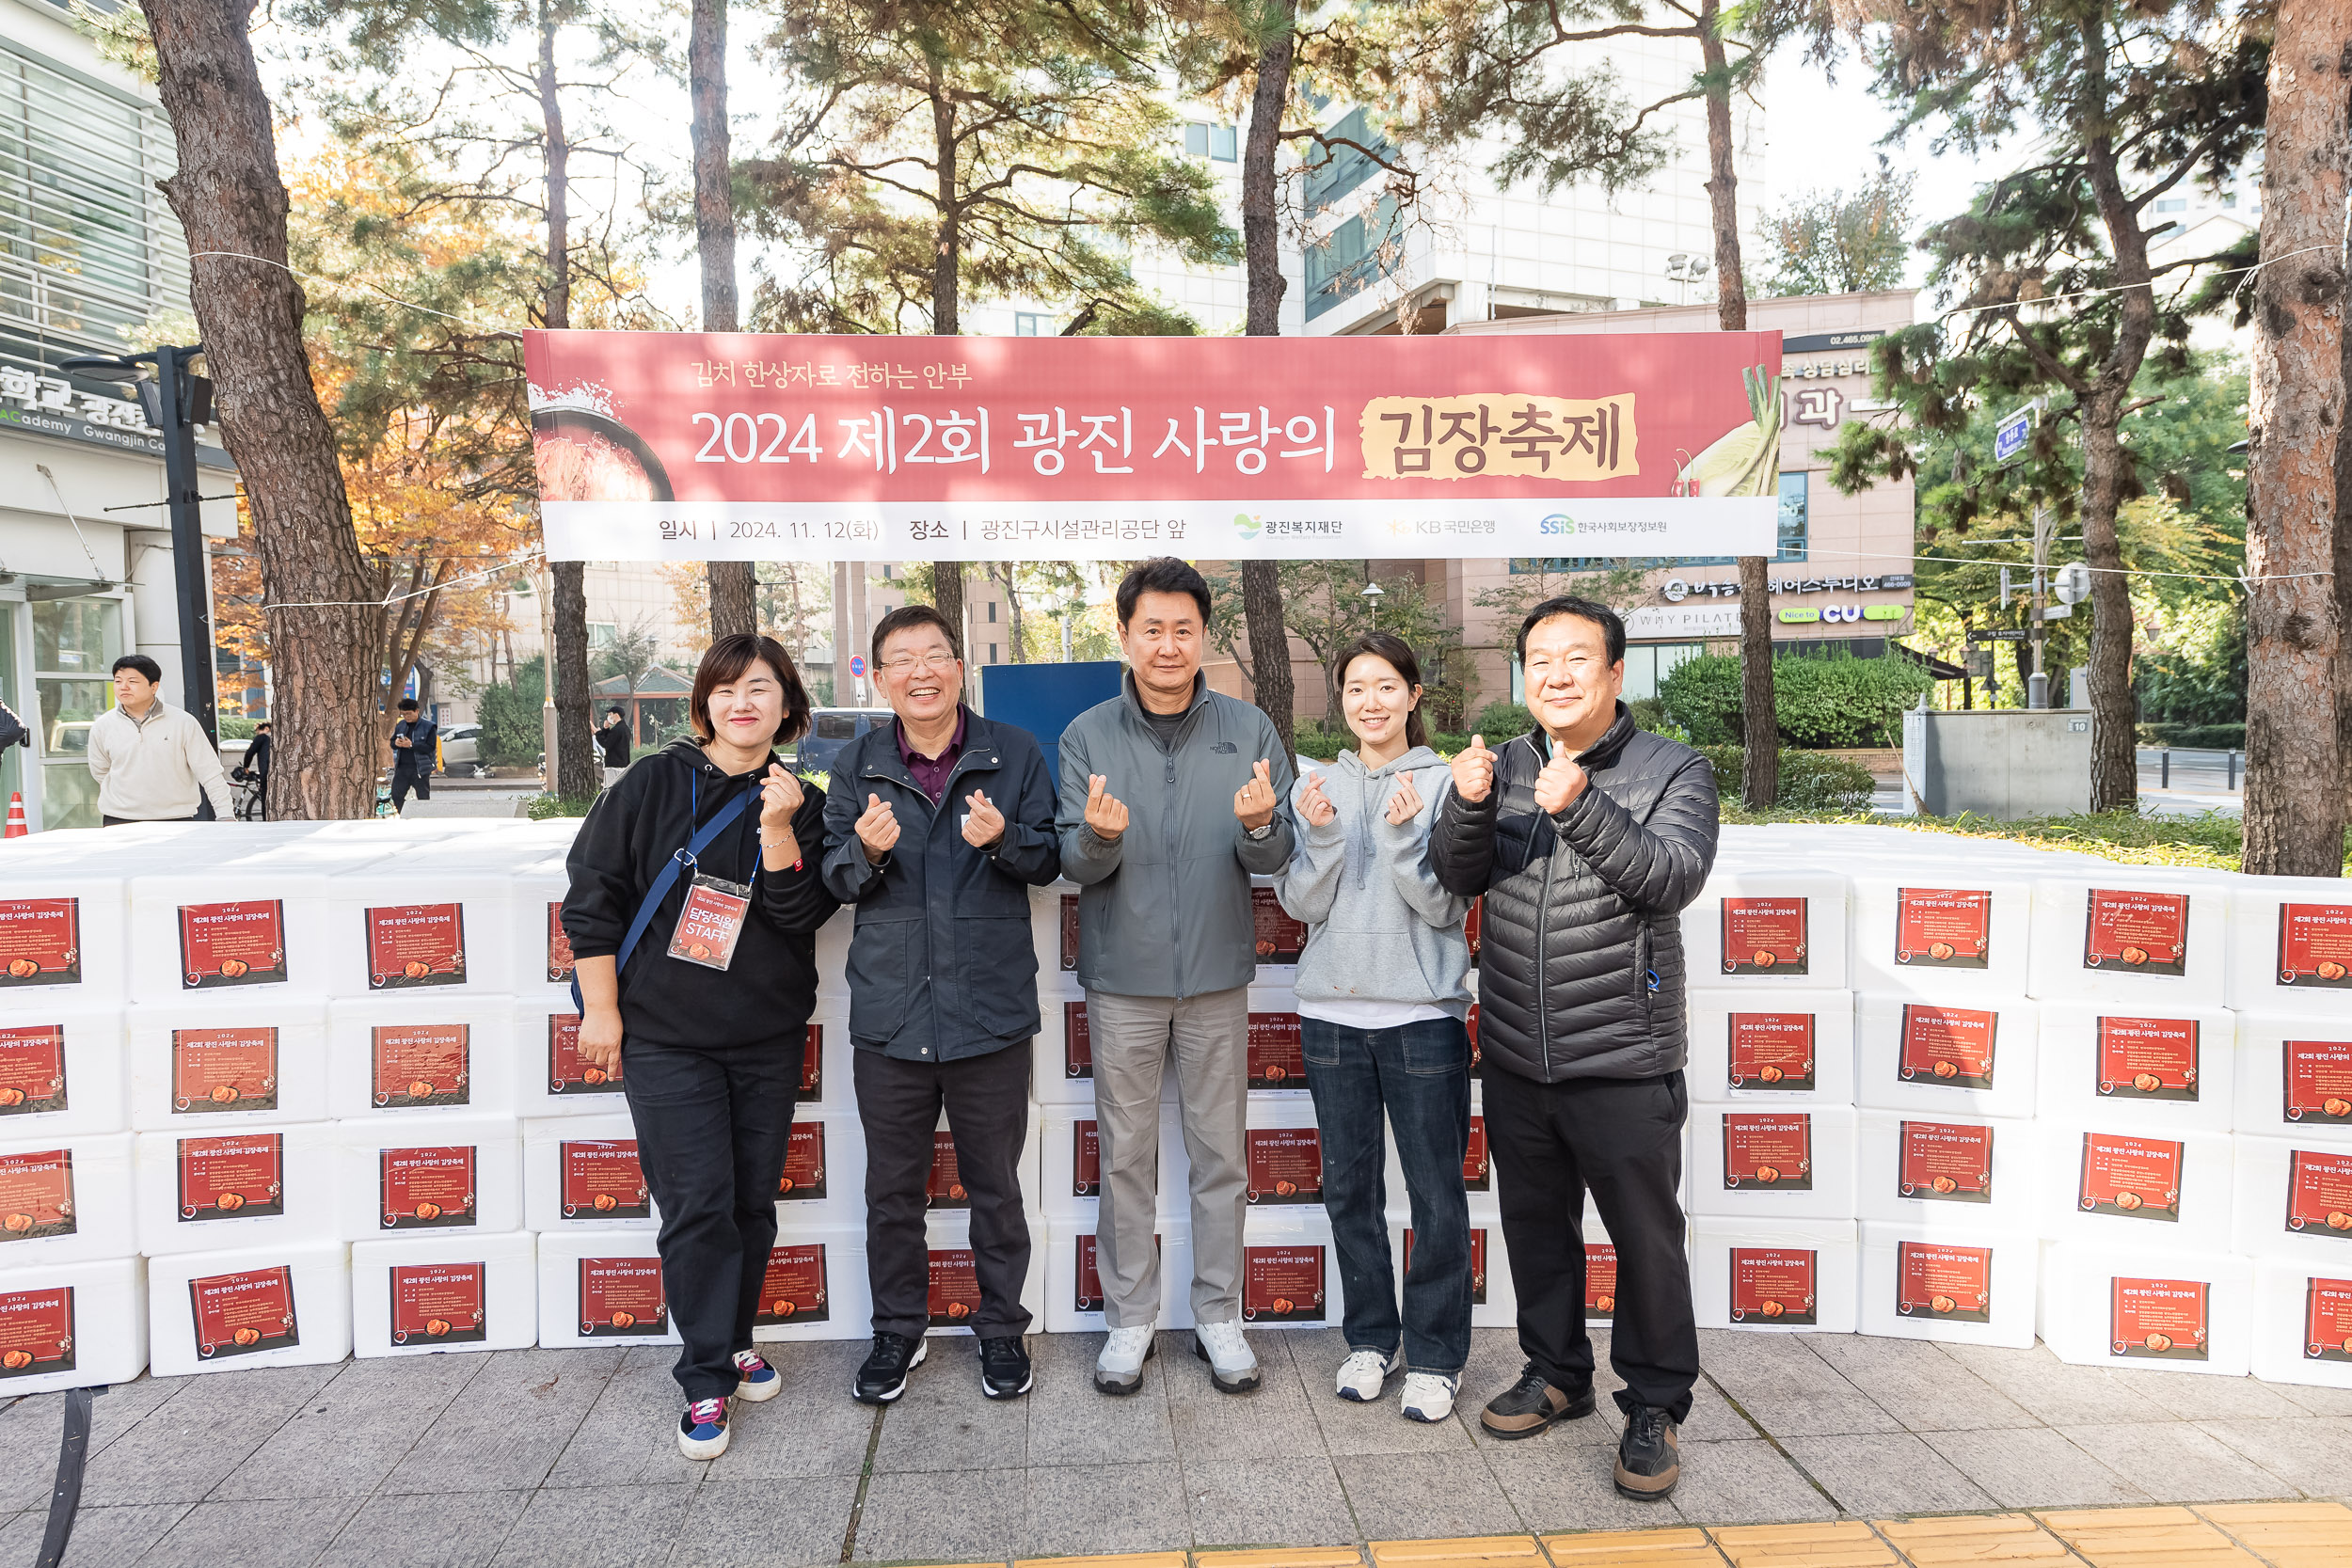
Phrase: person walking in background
pixel 938 826
pixel 612 740
pixel 1171 795
pixel 1383 990
pixel 152 761
pixel 414 740
pixel 254 771
pixel 704 1018
pixel 1588 837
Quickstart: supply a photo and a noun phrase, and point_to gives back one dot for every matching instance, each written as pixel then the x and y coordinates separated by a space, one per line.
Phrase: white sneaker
pixel 1231 1364
pixel 1429 1396
pixel 1119 1369
pixel 1364 1373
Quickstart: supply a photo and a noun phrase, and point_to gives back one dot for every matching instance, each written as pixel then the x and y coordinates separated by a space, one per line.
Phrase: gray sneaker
pixel 1119 1369
pixel 1231 1366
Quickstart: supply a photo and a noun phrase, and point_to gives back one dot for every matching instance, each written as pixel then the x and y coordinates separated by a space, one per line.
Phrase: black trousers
pixel 408 776
pixel 987 1101
pixel 1622 1137
pixel 712 1128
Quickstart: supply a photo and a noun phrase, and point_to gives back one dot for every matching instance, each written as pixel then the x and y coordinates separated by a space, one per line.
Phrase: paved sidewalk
pixel 564 1458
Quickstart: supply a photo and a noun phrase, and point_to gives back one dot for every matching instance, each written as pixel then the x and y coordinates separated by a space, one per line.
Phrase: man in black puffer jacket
pixel 1587 839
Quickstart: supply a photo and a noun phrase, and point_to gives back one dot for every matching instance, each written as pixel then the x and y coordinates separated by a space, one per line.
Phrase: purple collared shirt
pixel 931 774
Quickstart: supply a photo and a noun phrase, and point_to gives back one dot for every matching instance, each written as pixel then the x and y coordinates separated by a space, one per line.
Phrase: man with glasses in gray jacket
pixel 1171 795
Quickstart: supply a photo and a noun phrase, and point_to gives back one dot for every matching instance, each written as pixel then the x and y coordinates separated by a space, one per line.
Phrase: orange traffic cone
pixel 18 828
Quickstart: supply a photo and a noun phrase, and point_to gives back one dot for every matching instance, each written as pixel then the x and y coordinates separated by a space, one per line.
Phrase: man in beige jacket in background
pixel 152 761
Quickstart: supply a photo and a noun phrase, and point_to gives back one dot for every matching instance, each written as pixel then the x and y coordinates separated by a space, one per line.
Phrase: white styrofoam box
pixel 418 1053
pixel 2121 1066
pixel 543 954
pixel 1785 1276
pixel 833 954
pixel 213 1188
pixel 1792 1047
pixel 1773 1161
pixel 954 1284
pixel 1977 1060
pixel 1935 1174
pixel 1283 1155
pixel 1289 1273
pixel 2135 1190
pixel 816 1286
pixel 1073 1287
pixel 1494 1301
pixel 2148 940
pixel 417 1296
pixel 602 1287
pixel 550 1077
pixel 2294 1075
pixel 72 1325
pixel 420 924
pixel 1767 928
pixel 62 933
pixel 430 1174
pixel 61 1066
pixel 943 1185
pixel 2293 1201
pixel 2170 1311
pixel 1054 923
pixel 1069 1182
pixel 824 1170
pixel 1970 1287
pixel 258 926
pixel 1478 1165
pixel 1942 930
pixel 233 1060
pixel 2302 1323
pixel 286 1305
pixel 2290 943
pixel 828 1058
pixel 580 1173
pixel 66 1199
pixel 1062 1071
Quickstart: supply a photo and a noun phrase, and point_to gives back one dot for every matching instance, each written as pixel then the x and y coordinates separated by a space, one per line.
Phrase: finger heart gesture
pixel 1253 802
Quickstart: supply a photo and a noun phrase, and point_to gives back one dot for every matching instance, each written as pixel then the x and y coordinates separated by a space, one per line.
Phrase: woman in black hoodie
pixel 703 1022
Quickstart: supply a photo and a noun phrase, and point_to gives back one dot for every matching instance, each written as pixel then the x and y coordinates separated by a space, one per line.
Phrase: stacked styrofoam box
pixel 1069 1191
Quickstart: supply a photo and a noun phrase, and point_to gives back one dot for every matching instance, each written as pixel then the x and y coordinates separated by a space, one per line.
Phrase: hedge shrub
pixel 1817 703
pixel 1808 780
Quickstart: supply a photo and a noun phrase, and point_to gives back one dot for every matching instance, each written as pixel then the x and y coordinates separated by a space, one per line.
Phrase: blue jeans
pixel 1419 1074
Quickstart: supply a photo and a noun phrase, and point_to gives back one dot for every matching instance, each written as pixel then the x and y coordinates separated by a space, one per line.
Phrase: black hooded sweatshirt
pixel 766 994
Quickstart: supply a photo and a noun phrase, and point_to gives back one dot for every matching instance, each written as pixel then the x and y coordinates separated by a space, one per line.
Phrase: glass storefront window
pixel 66 710
pixel 68 795
pixel 75 642
pixel 76 636
pixel 11 757
pixel 1793 516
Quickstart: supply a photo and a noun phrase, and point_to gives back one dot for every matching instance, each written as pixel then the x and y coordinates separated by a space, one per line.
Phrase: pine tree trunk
pixel 2114 745
pixel 946 305
pixel 2294 640
pixel 947 599
pixel 1759 730
pixel 572 773
pixel 229 197
pixel 733 584
pixel 1261 580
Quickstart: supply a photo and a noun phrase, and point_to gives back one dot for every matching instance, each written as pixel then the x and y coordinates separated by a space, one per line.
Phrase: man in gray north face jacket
pixel 1172 795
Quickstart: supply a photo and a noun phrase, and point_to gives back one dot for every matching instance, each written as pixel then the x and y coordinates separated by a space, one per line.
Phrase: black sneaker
pixel 1649 1456
pixel 884 1377
pixel 1003 1367
pixel 1531 1404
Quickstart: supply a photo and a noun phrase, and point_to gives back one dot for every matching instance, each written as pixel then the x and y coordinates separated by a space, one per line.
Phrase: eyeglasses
pixel 925 665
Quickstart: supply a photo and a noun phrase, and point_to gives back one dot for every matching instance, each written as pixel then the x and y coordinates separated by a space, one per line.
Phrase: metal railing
pixel 2193 759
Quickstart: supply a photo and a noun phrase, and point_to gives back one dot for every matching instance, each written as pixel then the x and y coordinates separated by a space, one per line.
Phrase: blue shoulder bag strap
pixel 720 820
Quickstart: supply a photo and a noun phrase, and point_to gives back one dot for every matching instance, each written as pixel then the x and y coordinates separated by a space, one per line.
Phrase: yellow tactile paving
pixel 1634 1549
pixel 1285 1556
pixel 2289 1535
pixel 1963 1540
pixel 2146 1538
pixel 1843 1546
pixel 1467 1552
pixel 1123 1560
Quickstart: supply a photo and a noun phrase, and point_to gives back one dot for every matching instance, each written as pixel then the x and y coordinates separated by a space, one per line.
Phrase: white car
pixel 459 750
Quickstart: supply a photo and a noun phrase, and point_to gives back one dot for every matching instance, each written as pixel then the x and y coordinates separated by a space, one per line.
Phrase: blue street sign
pixel 2010 435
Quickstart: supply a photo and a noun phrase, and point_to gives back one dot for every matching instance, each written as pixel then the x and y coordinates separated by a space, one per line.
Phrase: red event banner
pixel 232 945
pixel 2318 1078
pixel 32 1068
pixel 243 1314
pixel 2144 932
pixel 1771 1051
pixel 440 1304
pixel 1943 927
pixel 2148 1058
pixel 687 446
pixel 41 941
pixel 2159 1320
pixel 2316 945
pixel 224 1069
pixel 37 1331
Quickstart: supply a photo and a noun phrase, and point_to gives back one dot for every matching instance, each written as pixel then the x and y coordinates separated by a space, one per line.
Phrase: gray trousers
pixel 1132 1039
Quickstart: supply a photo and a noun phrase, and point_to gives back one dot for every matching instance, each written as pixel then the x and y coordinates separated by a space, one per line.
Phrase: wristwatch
pixel 1260 834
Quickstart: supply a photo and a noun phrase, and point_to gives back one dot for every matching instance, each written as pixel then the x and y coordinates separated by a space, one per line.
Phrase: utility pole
pixel 2038 680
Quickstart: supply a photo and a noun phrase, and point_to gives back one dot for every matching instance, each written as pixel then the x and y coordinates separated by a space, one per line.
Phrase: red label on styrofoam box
pixel 622 1295
pixel 1282 1284
pixel 813 1063
pixel 568 1071
pixel 425 1189
pixel 942 1187
pixel 2319 1192
pixel 2140 933
pixel 1764 936
pixel 955 1286
pixel 1951 1047
pixel 421 1064
pixel 36 1331
pixel 1600 1281
pixel 1478 1166
pixel 1078 1046
pixel 1771 1051
pixel 439 1304
pixel 1478 1262
pixel 1945 1161
pixel 233 944
pixel 224 1069
pixel 1774 1285
pixel 41 941
pixel 1285 1164
pixel 1086 1161
pixel 1087 1295
pixel 2318 1078
pixel 560 960
pixel 2159 1320
pixel 1935 1279
pixel 2148 1058
pixel 793 1290
pixel 241 1176
pixel 1069 932
pixel 1470 933
pixel 2316 945
pixel 1276 1061
pixel 2327 1320
pixel 1470 1023
pixel 37 1194
pixel 416 945
pixel 2136 1178
pixel 600 1178
pixel 1940 927
pixel 243 1314
pixel 803 1177
pixel 1280 938
pixel 32 1068
pixel 1768 1152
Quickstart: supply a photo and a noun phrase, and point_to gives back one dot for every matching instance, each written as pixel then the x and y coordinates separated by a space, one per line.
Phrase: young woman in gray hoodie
pixel 1383 990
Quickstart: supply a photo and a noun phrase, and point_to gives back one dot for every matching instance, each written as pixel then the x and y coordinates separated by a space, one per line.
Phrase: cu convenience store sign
pixel 692 446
